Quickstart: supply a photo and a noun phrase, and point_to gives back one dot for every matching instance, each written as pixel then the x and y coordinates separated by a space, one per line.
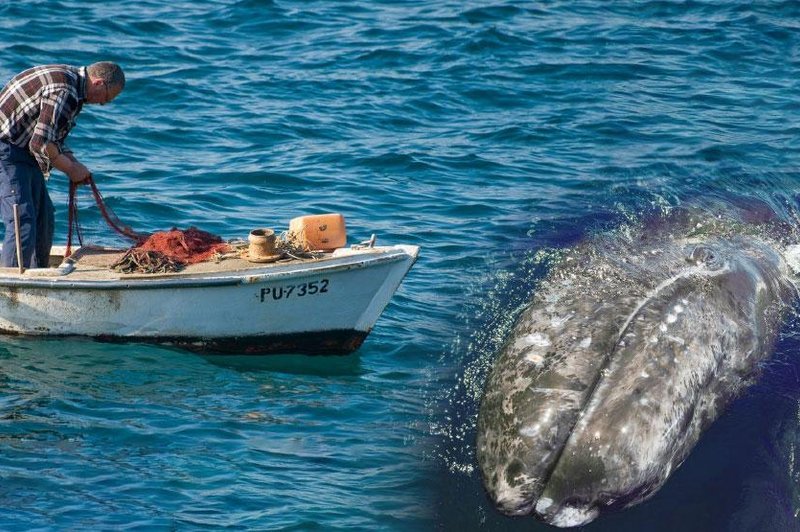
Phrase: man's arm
pixel 67 163
pixel 54 111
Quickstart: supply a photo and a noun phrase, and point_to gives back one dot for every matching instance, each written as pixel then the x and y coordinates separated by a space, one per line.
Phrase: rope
pixel 108 215
pixel 291 246
pixel 137 260
pixel 161 252
pixel 73 219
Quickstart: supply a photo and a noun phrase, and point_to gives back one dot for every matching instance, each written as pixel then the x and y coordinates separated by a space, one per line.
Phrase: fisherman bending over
pixel 38 108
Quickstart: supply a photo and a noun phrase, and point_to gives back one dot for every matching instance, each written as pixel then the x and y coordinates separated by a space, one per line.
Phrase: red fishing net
pixel 188 246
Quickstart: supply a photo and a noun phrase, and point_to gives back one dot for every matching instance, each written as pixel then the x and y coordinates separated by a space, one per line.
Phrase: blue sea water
pixel 489 134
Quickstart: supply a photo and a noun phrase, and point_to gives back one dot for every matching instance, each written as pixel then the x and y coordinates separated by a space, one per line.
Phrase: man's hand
pixel 77 172
pixel 68 164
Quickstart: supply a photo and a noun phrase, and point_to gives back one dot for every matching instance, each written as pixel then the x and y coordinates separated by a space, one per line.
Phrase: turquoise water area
pixel 489 134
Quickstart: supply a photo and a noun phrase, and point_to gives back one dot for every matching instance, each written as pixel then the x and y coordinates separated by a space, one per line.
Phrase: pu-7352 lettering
pixel 294 290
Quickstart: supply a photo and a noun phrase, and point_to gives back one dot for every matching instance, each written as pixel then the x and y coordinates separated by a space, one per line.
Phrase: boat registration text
pixel 294 290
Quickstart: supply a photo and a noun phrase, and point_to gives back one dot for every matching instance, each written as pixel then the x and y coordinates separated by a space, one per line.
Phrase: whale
pixel 627 352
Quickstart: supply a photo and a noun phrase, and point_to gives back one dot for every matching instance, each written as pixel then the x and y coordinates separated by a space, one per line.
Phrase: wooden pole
pixel 19 238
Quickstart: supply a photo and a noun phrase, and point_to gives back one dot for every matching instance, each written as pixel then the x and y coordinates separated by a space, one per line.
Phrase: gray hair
pixel 111 73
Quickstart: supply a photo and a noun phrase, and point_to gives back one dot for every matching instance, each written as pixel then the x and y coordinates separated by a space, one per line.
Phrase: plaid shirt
pixel 39 106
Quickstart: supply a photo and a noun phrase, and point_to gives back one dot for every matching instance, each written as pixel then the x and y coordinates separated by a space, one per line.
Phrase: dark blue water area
pixel 491 135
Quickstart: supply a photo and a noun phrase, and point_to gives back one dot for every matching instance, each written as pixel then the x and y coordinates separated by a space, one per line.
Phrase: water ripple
pixel 490 134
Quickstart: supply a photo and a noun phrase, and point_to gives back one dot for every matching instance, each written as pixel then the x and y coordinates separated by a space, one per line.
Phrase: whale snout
pixel 566 515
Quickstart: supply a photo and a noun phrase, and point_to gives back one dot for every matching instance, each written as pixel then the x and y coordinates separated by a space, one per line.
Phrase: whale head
pixel 623 358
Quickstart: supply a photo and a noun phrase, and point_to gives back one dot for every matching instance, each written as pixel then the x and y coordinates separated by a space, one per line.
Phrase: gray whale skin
pixel 622 359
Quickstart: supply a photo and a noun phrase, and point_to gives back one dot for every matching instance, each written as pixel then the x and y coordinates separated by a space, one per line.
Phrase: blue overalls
pixel 22 182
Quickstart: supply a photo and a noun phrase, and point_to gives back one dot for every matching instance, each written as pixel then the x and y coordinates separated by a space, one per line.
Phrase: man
pixel 38 108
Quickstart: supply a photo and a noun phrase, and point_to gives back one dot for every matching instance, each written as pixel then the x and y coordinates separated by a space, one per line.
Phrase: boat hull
pixel 308 343
pixel 326 307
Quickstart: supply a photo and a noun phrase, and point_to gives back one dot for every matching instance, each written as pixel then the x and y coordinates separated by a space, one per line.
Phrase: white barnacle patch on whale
pixel 512 496
pixel 531 431
pixel 543 504
pixel 537 339
pixel 569 516
pixel 586 342
pixel 558 322
pixel 793 257
pixel 534 358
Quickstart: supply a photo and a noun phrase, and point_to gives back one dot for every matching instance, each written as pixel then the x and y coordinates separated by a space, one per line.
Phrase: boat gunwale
pixel 258 274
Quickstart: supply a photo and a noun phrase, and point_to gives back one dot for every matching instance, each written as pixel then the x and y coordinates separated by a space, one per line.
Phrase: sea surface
pixel 491 134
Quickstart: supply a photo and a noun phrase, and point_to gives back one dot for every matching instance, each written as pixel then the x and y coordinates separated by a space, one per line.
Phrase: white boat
pixel 325 305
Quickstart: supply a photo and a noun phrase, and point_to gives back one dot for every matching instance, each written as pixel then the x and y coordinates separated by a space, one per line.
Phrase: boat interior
pixel 98 263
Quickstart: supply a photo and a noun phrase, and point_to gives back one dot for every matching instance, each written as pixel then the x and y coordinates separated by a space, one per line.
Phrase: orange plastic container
pixel 324 232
